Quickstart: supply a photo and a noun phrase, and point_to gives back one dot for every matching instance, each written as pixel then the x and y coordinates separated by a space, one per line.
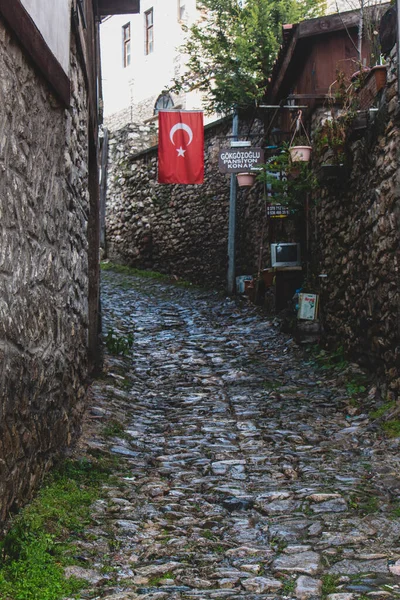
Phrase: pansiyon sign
pixel 240 160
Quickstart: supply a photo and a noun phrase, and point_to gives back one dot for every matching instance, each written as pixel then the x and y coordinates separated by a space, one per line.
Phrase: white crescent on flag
pixel 178 126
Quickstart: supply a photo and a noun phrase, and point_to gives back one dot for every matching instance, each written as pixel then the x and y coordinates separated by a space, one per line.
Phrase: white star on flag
pixel 181 152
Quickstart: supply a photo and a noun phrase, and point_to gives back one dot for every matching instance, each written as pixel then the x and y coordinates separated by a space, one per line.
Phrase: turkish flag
pixel 180 147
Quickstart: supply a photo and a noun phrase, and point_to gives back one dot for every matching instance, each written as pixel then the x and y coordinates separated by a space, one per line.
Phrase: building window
pixel 181 10
pixel 149 31
pixel 126 44
pixel 163 102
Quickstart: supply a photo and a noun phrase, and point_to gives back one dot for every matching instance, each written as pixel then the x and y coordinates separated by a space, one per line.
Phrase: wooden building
pixel 312 54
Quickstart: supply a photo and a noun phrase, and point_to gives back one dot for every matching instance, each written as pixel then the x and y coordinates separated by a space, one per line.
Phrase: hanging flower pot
pixel 300 153
pixel 380 73
pixel 246 179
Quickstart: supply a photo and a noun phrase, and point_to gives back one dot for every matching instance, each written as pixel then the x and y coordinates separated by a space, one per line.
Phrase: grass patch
pixel 208 535
pixel 328 361
pixel 118 344
pixel 158 579
pixel 353 387
pixel 41 539
pixel 395 511
pixel 392 428
pixel 113 429
pixel 271 385
pixel 126 270
pixel 366 505
pixel 288 587
pixel 329 584
pixel 382 410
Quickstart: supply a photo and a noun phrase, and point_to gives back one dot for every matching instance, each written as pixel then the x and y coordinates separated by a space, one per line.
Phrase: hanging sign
pixel 308 307
pixel 240 160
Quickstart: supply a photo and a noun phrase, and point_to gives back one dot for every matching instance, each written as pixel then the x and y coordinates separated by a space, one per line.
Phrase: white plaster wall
pixel 52 18
pixel 147 75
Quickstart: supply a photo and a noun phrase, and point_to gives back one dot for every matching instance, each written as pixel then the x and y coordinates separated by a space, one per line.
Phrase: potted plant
pixel 330 141
pixel 246 179
pixel 301 150
pixel 300 153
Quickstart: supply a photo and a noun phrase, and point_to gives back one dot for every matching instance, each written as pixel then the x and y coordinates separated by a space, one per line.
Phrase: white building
pixel 140 57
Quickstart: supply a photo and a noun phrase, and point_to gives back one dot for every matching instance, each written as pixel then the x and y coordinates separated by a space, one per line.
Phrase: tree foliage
pixel 232 47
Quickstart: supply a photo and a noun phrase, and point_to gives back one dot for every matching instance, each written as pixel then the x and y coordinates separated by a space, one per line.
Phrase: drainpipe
pixel 232 214
pixel 103 188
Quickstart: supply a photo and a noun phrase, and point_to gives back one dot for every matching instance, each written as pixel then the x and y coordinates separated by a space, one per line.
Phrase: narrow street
pixel 244 471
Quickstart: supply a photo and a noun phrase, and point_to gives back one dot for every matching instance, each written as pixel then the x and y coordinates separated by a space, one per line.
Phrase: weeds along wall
pixel 44 208
pixel 356 245
pixel 180 230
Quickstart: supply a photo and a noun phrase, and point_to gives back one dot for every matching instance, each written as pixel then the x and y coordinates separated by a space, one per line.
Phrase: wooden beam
pixel 327 24
pixel 283 67
pixel 308 96
pixel 32 41
pixel 118 7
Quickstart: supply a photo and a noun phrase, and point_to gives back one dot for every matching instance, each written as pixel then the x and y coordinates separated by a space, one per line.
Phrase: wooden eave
pixel 117 7
pixel 282 64
pixel 32 41
pixel 292 40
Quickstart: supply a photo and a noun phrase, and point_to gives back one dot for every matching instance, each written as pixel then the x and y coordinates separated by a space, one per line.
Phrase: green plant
pixel 289 585
pixel 40 541
pixel 287 183
pixel 330 137
pixel 354 388
pixel 333 360
pixel 364 504
pixel 208 535
pixel 113 429
pixel 392 427
pixel 300 140
pixel 382 410
pixel 118 344
pixel 157 579
pixel 329 584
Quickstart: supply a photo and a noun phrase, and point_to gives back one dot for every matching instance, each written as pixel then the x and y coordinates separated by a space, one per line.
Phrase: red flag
pixel 180 147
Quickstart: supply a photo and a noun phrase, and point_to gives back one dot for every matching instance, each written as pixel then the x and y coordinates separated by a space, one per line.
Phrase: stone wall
pixel 43 270
pixel 177 229
pixel 357 245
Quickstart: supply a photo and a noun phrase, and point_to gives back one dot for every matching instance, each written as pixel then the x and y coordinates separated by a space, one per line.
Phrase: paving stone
pixel 351 567
pixel 304 562
pixel 307 587
pixel 259 585
pixel 238 461
pixel 394 567
pixel 337 505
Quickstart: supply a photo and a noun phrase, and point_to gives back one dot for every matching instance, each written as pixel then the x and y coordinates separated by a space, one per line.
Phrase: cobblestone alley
pixel 245 470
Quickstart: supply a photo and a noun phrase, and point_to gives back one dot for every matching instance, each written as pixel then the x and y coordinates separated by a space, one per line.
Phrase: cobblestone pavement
pixel 244 471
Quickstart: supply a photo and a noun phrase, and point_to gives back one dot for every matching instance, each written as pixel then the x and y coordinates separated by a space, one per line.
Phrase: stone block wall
pixel 178 229
pixel 357 245
pixel 44 208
